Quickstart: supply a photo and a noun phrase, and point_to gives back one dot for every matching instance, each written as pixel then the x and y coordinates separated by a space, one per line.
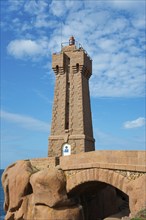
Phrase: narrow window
pixel 77 67
pixel 57 69
pixel 67 96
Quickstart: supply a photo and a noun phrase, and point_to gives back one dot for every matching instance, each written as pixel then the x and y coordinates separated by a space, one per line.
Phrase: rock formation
pixel 33 194
pixel 34 191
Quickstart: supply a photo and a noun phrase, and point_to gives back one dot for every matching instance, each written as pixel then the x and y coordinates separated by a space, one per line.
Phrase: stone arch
pixel 106 176
pixel 101 193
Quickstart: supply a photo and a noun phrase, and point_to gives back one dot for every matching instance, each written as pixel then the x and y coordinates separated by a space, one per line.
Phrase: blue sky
pixel 112 32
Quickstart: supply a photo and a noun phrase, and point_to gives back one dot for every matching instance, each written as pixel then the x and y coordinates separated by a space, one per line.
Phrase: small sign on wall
pixel 66 150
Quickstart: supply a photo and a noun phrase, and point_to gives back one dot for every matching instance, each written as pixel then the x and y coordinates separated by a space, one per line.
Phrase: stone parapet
pixel 118 160
pixel 42 163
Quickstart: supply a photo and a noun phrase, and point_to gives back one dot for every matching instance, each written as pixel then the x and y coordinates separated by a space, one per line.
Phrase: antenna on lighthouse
pixel 61 31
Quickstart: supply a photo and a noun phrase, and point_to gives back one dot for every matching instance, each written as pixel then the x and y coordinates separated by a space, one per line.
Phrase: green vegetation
pixel 141 215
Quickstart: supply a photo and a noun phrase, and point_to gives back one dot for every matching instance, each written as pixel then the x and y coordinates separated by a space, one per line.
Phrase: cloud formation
pixel 22 49
pixel 139 122
pixel 113 33
pixel 26 122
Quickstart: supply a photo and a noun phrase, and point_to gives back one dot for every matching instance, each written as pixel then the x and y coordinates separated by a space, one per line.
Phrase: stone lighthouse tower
pixel 71 130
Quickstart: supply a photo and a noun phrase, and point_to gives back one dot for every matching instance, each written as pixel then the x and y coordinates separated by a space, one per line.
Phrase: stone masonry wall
pixel 118 160
pixel 71 119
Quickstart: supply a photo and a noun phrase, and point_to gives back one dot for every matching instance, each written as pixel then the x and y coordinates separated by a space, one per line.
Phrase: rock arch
pixel 95 174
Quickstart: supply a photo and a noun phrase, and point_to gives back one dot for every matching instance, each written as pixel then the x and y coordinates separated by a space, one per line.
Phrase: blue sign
pixel 66 150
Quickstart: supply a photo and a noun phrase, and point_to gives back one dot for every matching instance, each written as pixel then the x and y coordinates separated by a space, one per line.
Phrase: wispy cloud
pixel 127 5
pixel 42 96
pixel 26 122
pixel 107 140
pixel 139 122
pixel 115 41
pixel 24 49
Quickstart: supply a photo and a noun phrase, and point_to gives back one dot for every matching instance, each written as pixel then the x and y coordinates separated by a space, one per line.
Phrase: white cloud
pixel 139 122
pixel 129 5
pixel 57 8
pixel 60 8
pixel 33 7
pixel 117 75
pixel 139 22
pixel 25 121
pixel 27 48
pixel 14 5
pixel 114 40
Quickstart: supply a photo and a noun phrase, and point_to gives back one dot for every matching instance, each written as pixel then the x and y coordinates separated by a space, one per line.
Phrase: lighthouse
pixel 71 127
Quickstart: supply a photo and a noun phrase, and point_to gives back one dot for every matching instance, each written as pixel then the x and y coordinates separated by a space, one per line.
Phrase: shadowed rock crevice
pixel 6 203
pixel 17 207
pixel 28 190
pixel 100 200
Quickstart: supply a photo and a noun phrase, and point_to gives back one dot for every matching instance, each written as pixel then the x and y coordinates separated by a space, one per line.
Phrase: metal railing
pixel 78 47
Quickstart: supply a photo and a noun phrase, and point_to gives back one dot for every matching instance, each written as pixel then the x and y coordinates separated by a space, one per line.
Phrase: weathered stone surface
pixel 65 213
pixel 31 194
pixel 30 211
pixel 9 216
pixel 15 181
pixel 28 195
pixel 25 212
pixel 137 194
pixel 49 187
